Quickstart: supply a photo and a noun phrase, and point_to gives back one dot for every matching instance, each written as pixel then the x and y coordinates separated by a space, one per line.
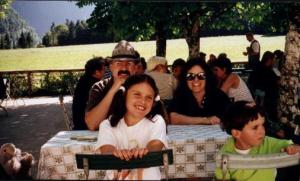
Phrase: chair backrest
pixel 68 121
pixel 110 162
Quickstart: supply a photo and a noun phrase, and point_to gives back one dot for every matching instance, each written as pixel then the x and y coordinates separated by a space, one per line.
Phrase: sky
pixel 41 14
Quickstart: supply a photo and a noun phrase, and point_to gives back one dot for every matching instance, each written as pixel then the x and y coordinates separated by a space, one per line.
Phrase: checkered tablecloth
pixel 194 148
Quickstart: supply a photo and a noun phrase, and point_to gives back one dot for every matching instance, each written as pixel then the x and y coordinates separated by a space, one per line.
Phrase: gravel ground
pixel 31 123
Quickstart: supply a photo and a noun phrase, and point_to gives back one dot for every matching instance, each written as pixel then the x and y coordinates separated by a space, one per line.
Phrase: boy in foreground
pixel 245 122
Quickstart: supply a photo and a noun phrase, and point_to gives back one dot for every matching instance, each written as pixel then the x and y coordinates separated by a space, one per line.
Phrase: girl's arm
pixel 231 82
pixel 155 145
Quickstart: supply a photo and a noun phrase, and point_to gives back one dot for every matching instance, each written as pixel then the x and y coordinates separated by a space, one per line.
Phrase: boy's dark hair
pixel 96 63
pixel 239 114
pixel 118 106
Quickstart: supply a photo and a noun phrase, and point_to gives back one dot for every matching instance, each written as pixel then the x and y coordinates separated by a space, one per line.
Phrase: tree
pixel 72 32
pixel 4 6
pixel 61 32
pixel 7 41
pixel 22 40
pixel 148 20
pixel 290 80
pixel 29 40
pixel 47 39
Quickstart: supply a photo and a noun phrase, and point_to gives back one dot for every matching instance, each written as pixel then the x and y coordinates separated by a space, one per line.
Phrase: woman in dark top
pixel 197 100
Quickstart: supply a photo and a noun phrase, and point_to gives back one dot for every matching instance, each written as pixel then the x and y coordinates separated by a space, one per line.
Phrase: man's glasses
pixel 192 76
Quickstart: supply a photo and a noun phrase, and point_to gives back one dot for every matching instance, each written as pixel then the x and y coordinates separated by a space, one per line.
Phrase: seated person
pixel 264 85
pixel 121 65
pixel 197 100
pixel 141 66
pixel 166 83
pixel 134 128
pixel 178 67
pixel 245 122
pixel 229 82
pixel 94 70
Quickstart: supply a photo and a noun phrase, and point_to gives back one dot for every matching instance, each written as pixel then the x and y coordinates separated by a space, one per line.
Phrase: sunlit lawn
pixel 72 57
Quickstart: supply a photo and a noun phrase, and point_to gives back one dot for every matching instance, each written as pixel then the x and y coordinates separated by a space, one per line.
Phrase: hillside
pixel 14 25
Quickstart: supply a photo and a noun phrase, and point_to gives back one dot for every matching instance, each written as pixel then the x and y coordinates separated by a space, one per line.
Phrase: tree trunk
pixel 161 40
pixel 192 35
pixel 289 84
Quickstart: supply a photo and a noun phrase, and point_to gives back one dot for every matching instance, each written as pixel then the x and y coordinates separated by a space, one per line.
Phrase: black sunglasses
pixel 192 76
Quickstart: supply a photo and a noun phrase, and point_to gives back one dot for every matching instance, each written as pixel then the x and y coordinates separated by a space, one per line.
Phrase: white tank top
pixel 241 93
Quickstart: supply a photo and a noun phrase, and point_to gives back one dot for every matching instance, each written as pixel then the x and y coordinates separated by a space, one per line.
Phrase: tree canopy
pixel 164 20
pixel 4 6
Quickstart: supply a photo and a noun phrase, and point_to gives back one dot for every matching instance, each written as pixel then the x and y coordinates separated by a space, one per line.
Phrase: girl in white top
pixel 229 82
pixel 134 127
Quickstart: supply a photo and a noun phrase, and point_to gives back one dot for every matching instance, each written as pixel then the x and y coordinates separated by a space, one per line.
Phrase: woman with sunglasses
pixel 197 100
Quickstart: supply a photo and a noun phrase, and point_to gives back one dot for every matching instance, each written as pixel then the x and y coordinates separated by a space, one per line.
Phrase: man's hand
pixel 117 84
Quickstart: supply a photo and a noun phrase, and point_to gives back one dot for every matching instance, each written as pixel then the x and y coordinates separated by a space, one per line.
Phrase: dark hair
pixel 96 63
pixel 250 34
pixel 223 62
pixel 239 114
pixel 143 62
pixel 178 62
pixel 118 106
pixel 266 56
pixel 210 78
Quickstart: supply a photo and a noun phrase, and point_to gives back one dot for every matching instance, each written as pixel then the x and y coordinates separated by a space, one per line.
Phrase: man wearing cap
pixel 122 65
pixel 166 83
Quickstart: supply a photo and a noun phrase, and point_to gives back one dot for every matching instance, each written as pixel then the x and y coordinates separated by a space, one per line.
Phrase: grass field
pixel 71 57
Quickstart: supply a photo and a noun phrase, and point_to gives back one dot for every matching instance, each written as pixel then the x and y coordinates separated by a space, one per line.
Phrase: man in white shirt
pixel 253 51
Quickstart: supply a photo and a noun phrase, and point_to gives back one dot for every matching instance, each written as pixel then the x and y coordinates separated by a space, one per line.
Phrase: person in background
pixel 279 59
pixel 229 82
pixel 253 51
pixel 197 100
pixel 264 85
pixel 202 56
pixel 166 83
pixel 245 122
pixel 94 71
pixel 135 127
pixel 122 65
pixel 178 67
pixel 211 59
pixel 141 66
pixel 222 55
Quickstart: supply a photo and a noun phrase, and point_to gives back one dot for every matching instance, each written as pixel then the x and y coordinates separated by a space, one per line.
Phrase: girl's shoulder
pixel 105 123
pixel 157 119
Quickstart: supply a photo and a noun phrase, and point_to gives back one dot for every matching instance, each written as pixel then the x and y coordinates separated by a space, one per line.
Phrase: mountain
pixel 41 14
pixel 14 25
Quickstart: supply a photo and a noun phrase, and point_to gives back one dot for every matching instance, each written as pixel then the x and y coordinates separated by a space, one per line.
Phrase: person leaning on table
pixel 197 100
pixel 122 65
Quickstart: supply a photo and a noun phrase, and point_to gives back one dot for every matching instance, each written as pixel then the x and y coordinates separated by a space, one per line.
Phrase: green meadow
pixel 73 57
